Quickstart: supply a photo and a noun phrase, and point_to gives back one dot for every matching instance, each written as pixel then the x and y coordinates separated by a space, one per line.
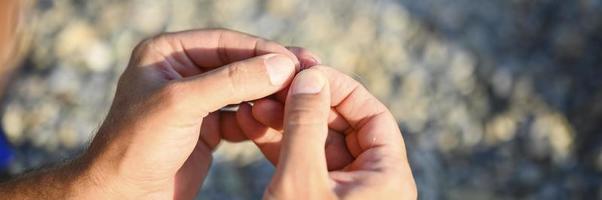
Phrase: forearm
pixel 71 181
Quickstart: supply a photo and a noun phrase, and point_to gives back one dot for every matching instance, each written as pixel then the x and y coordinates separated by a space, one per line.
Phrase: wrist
pixel 86 182
pixel 104 174
pixel 98 178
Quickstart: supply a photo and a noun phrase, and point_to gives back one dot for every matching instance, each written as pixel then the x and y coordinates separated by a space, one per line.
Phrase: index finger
pixel 197 51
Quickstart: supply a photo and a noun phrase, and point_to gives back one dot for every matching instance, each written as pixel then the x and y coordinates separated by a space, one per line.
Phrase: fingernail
pixel 307 82
pixel 279 68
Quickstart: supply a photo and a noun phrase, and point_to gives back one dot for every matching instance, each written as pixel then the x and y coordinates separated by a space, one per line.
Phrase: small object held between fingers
pixel 231 107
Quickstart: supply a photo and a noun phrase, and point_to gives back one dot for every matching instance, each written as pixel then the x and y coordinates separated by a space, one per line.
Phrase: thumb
pixel 245 80
pixel 302 164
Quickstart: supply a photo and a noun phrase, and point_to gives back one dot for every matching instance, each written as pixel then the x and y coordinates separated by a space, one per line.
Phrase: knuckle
pixel 150 43
pixel 236 75
pixel 145 45
pixel 146 48
pixel 141 49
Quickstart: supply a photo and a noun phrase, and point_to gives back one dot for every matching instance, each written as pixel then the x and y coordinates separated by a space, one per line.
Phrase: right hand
pixel 324 103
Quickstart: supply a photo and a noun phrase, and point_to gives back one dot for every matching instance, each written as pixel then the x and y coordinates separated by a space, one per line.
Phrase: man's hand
pixel 338 141
pixel 157 139
pixel 165 120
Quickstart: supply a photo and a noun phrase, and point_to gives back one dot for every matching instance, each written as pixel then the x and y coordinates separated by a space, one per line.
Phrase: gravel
pixel 497 99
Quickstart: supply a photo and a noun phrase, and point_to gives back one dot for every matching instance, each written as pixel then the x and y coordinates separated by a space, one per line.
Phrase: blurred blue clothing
pixel 6 153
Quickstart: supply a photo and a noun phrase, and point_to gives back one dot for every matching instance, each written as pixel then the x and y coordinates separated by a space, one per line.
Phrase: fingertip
pixel 269 112
pixel 210 133
pixel 250 127
pixel 229 132
pixel 280 68
pixel 306 58
pixel 280 96
pixel 267 46
pixel 308 81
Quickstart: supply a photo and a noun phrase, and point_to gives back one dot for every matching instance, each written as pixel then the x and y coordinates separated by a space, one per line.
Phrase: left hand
pixel 157 139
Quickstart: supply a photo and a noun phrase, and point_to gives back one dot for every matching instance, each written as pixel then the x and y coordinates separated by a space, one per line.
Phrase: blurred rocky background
pixel 498 99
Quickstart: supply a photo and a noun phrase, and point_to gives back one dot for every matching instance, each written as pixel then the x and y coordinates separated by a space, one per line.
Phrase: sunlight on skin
pixel 367 132
pixel 166 120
